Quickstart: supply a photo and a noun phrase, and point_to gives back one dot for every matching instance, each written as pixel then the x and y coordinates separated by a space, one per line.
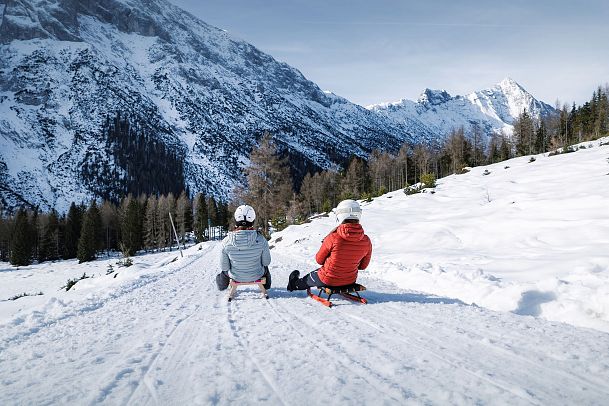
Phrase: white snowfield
pixel 160 333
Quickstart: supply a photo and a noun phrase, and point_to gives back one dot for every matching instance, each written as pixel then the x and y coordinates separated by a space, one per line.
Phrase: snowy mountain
pixel 518 317
pixel 436 112
pixel 107 97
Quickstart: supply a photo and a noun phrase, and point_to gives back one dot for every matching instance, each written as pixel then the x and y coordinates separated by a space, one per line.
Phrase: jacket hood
pixel 350 231
pixel 241 238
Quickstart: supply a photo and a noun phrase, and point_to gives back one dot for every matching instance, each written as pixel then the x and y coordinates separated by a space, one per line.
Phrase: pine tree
pixel 493 150
pixel 89 243
pixel 200 221
pixel 4 236
pixel 212 211
pixel 72 229
pixel 21 247
pixel 183 216
pixel 33 232
pixel 355 181
pixel 131 230
pixel 541 138
pixel 164 227
pixel 151 227
pixel 505 150
pixel 110 226
pixel 524 134
pixel 49 241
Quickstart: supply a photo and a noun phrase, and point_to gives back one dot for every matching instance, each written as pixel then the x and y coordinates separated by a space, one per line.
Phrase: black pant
pixel 311 280
pixel 222 279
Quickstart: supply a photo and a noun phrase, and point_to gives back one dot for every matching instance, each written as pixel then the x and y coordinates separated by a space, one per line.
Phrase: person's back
pixel 343 252
pixel 245 253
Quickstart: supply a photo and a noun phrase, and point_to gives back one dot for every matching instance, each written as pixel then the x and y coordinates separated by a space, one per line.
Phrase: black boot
pixel 267 275
pixel 292 281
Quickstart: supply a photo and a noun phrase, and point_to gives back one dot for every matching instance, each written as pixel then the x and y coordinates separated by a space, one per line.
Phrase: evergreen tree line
pixel 571 125
pixel 135 224
pixel 141 162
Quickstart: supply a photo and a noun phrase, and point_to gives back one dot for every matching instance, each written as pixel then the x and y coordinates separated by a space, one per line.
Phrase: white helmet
pixel 348 210
pixel 245 213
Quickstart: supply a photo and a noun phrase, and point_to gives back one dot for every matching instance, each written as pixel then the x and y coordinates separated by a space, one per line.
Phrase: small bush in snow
pixel 412 190
pixel 72 282
pixel 19 296
pixel 582 147
pixel 568 149
pixel 366 197
pixel 428 179
pixel 486 172
pixel 110 269
pixel 125 262
pixel 532 159
pixel 506 167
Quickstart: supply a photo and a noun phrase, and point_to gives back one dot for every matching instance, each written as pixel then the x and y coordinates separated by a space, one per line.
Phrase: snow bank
pixel 529 237
pixel 104 279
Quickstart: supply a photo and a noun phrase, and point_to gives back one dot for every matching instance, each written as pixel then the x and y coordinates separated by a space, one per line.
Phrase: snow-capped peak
pixel 507 100
pixel 436 113
pixel 434 97
pixel 509 83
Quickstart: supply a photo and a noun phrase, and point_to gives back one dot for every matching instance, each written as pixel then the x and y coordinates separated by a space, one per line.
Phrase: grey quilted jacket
pixel 245 253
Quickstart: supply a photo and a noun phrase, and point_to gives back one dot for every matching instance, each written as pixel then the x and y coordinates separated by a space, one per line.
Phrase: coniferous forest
pixel 140 221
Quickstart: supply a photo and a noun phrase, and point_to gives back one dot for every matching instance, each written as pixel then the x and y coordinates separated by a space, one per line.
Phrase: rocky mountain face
pixel 436 112
pixel 99 98
pixel 104 97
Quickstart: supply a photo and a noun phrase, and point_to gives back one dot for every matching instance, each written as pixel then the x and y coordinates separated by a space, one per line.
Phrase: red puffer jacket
pixel 342 253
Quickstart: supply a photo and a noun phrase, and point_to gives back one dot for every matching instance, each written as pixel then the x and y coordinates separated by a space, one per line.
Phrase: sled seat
pixel 235 284
pixel 345 291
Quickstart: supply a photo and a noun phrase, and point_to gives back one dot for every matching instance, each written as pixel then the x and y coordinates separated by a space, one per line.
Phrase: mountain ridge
pixel 205 95
pixel 86 86
pixel 493 109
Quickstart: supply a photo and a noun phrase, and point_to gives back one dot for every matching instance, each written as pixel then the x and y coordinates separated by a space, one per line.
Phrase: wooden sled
pixel 234 285
pixel 346 291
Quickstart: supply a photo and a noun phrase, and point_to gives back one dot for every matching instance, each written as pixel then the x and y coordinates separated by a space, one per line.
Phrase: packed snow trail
pixel 171 338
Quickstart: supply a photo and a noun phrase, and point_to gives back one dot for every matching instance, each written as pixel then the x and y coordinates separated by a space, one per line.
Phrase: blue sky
pixel 383 50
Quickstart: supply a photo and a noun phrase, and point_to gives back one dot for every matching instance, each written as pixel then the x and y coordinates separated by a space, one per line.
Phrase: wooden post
pixel 176 234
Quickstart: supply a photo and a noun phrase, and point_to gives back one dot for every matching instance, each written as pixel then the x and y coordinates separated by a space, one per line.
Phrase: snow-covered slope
pixel 67 67
pixel 436 112
pixel 528 237
pixel 528 240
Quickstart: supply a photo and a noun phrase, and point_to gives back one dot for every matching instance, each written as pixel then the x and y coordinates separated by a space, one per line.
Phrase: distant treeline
pixel 143 222
pixel 85 231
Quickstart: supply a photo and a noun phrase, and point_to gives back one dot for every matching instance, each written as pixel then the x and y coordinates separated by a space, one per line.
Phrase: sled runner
pixel 350 292
pixel 234 285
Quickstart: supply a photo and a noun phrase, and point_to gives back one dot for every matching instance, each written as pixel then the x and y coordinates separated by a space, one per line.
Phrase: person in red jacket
pixel 343 252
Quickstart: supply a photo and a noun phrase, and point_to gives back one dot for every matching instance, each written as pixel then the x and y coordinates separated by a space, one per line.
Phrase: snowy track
pixel 170 338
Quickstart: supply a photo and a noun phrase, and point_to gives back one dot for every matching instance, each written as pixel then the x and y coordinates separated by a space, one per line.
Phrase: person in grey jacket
pixel 245 253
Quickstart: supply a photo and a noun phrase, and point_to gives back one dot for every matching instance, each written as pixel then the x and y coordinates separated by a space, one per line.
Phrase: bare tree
pixel 151 227
pixel 269 183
